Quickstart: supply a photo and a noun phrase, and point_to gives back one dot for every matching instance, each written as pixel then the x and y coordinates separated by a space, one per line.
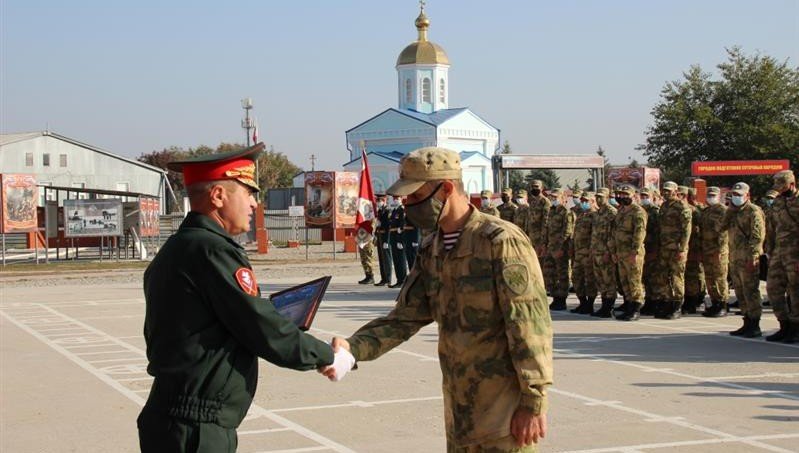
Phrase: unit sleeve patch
pixel 246 281
pixel 516 277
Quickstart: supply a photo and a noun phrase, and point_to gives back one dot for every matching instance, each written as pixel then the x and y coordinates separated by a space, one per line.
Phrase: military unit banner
pixel 346 198
pixel 92 218
pixel 149 210
pixel 739 167
pixel 19 197
pixel 319 202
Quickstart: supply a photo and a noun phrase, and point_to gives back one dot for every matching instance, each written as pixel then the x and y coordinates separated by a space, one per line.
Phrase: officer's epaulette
pixel 427 241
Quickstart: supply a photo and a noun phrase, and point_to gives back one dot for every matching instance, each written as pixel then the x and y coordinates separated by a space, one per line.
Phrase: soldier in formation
pixel 383 234
pixel 366 244
pixel 782 284
pixel 560 228
pixel 507 210
pixel 485 204
pixel 535 226
pixel 675 232
pixel 583 263
pixel 651 204
pixel 602 250
pixel 715 253
pixel 396 226
pixel 629 232
pixel 694 271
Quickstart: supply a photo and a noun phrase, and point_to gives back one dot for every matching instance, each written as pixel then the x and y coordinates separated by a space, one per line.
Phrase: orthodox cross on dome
pixel 421 4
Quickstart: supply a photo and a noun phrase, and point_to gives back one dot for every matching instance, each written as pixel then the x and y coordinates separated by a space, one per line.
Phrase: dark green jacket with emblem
pixel 204 333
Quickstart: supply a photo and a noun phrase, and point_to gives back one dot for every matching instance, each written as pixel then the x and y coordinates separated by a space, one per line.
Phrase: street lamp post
pixel 247 122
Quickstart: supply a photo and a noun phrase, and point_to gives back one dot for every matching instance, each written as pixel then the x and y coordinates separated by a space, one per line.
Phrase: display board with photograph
pixel 346 190
pixel 85 218
pixel 19 195
pixel 319 198
pixel 149 209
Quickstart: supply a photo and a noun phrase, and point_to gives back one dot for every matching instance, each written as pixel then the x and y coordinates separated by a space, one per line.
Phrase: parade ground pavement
pixel 73 380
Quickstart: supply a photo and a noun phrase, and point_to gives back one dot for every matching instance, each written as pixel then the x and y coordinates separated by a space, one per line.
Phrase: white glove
pixel 415 244
pixel 385 245
pixel 343 362
pixel 399 246
pixel 399 230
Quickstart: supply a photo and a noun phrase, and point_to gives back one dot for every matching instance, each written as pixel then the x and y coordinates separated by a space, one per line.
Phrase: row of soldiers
pixel 662 250
pixel 395 242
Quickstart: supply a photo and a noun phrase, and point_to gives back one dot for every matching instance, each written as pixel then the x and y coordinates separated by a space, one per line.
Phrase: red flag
pixel 255 133
pixel 366 197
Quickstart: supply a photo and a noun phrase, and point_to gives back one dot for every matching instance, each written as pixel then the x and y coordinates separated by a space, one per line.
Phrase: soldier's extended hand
pixel 343 361
pixel 528 428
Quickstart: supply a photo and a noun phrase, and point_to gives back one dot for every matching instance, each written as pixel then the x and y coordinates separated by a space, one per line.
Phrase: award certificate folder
pixel 299 303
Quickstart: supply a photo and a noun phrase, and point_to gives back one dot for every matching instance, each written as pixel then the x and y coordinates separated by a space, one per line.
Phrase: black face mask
pixel 787 193
pixel 425 213
pixel 535 192
pixel 505 198
pixel 624 201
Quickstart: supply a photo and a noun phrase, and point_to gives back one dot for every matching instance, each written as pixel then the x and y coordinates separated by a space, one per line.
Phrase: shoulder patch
pixel 246 281
pixel 516 277
pixel 427 241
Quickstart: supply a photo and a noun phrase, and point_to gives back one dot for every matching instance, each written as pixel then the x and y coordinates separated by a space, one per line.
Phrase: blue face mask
pixel 614 203
pixel 738 200
pixel 555 202
pixel 585 205
pixel 769 202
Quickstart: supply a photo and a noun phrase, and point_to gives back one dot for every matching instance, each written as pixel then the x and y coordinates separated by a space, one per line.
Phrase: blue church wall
pixel 404 148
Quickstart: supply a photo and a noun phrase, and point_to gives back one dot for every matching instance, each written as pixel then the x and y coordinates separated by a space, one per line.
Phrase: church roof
pixel 436 118
pixel 422 51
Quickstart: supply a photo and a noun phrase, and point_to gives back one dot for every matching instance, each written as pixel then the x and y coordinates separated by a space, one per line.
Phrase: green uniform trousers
pixel 630 277
pixel 716 269
pixel 161 433
pixel 670 277
pixel 783 278
pixel 746 280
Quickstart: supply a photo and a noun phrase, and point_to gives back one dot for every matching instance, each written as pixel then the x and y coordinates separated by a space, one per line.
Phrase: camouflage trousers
pixel 605 274
pixel 630 276
pixel 503 445
pixel 694 276
pixel 783 278
pixel 548 271
pixel 368 258
pixel 669 277
pixel 746 281
pixel 560 275
pixel 583 276
pixel 648 274
pixel 716 268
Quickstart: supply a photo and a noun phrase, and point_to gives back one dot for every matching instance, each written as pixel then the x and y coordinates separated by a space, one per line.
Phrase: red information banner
pixel 19 196
pixel 739 167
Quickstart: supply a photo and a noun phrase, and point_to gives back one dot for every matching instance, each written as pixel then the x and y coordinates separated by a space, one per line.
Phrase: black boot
pixel 689 305
pixel 782 333
pixel 669 310
pixel 633 312
pixel 381 283
pixel 753 330
pixel 605 311
pixel 621 309
pixel 649 307
pixel 580 307
pixel 369 279
pixel 715 310
pixel 558 304
pixel 398 284
pixel 589 306
pixel 792 336
pixel 740 331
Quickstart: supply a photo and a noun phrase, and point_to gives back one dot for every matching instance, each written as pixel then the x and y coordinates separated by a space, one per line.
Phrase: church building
pixel 423 118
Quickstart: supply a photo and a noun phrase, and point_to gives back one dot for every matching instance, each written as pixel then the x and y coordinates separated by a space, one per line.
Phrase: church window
pixel 408 91
pixel 426 88
pixel 441 91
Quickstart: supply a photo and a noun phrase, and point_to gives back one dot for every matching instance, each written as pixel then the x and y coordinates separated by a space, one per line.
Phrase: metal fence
pixel 279 226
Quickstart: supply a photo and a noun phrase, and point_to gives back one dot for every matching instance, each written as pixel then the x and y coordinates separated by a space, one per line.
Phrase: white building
pixel 60 161
pixel 423 118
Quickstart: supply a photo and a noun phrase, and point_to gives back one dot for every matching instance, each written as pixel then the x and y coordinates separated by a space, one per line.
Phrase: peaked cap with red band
pixel 235 165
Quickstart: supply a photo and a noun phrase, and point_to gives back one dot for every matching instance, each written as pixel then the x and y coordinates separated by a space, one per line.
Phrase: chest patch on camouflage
pixel 246 281
pixel 515 276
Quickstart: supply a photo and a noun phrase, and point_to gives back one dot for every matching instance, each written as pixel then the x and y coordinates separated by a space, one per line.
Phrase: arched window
pixel 408 91
pixel 441 90
pixel 426 88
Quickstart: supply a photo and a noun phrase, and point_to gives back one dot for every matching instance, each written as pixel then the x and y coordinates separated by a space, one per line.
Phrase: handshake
pixel 343 360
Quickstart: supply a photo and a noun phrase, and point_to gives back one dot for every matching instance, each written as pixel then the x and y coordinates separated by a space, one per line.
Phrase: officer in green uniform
pixel 205 323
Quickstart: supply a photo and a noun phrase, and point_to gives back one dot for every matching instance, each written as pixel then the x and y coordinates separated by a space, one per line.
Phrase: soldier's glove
pixel 385 246
pixel 415 244
pixel 399 230
pixel 400 246
pixel 343 361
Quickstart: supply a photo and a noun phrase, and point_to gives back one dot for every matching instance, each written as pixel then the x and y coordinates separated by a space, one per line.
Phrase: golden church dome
pixel 422 51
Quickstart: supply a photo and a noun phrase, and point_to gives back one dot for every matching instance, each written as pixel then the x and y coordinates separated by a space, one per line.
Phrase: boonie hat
pixel 682 189
pixel 235 165
pixel 521 193
pixel 626 189
pixel 537 184
pixel 587 195
pixel 740 188
pixel 576 193
pixel 486 194
pixel 772 194
pixel 782 179
pixel 603 192
pixel 508 191
pixel 670 185
pixel 713 190
pixel 423 165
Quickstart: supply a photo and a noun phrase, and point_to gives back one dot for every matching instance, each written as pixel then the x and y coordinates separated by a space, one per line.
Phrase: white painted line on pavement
pixel 261 431
pixel 305 432
pixel 295 450
pixel 687 443
pixel 357 404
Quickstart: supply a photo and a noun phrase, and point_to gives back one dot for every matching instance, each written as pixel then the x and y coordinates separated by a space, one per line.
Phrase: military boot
pixel 781 333
pixel 558 304
pixel 369 279
pixel 621 309
pixel 589 306
pixel 689 305
pixel 740 331
pixel 633 312
pixel 670 310
pixel 753 330
pixel 715 310
pixel 605 310
pixel 649 307
pixel 580 307
pixel 792 336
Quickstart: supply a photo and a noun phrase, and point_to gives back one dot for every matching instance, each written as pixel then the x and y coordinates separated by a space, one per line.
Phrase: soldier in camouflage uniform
pixel 507 210
pixel 715 253
pixel 746 226
pixel 485 291
pixel 367 251
pixel 629 231
pixel 694 271
pixel 560 228
pixel 485 203
pixel 649 202
pixel 538 214
pixel 675 232
pixel 601 248
pixel 583 263
pixel 576 210
pixel 522 217
pixel 783 271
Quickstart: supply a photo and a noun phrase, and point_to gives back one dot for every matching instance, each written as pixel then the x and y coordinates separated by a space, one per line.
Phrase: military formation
pixel 664 252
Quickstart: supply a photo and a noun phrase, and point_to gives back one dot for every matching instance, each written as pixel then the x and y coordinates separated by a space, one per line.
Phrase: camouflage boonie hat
pixel 587 195
pixel 508 191
pixel 521 193
pixel 486 194
pixel 670 185
pixel 555 192
pixel 782 179
pixel 645 191
pixel 772 194
pixel 603 192
pixel 626 189
pixel 423 165
pixel 740 188
pixel 682 189
pixel 713 190
pixel 537 184
pixel 576 193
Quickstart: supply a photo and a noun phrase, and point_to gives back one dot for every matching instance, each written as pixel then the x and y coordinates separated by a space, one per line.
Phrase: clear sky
pixel 555 77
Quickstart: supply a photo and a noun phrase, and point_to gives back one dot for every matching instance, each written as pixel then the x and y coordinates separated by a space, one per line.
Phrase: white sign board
pixel 296 211
pixel 92 218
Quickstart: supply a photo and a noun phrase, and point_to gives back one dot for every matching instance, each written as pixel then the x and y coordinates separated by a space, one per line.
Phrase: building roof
pixel 6 139
pixel 422 51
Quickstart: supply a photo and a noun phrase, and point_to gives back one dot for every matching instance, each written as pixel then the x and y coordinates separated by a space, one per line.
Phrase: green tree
pixel 275 170
pixel 589 183
pixel 750 112
pixel 549 177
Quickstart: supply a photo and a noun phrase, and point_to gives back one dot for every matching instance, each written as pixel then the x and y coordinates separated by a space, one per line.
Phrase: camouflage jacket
pixel 538 215
pixel 629 230
pixel 490 211
pixel 695 242
pixel 675 226
pixel 522 217
pixel 560 229
pixel 771 231
pixel 714 236
pixel 651 242
pixel 582 233
pixel 494 330
pixel 507 211
pixel 786 226
pixel 602 230
pixel 747 229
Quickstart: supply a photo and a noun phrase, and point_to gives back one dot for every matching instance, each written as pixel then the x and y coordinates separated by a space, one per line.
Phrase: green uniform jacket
pixel 675 226
pixel 629 231
pixel 490 211
pixel 204 332
pixel 747 228
pixel 715 240
pixel 507 211
pixel 494 329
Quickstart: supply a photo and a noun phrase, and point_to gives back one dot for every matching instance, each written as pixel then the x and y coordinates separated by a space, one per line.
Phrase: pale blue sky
pixel 554 77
